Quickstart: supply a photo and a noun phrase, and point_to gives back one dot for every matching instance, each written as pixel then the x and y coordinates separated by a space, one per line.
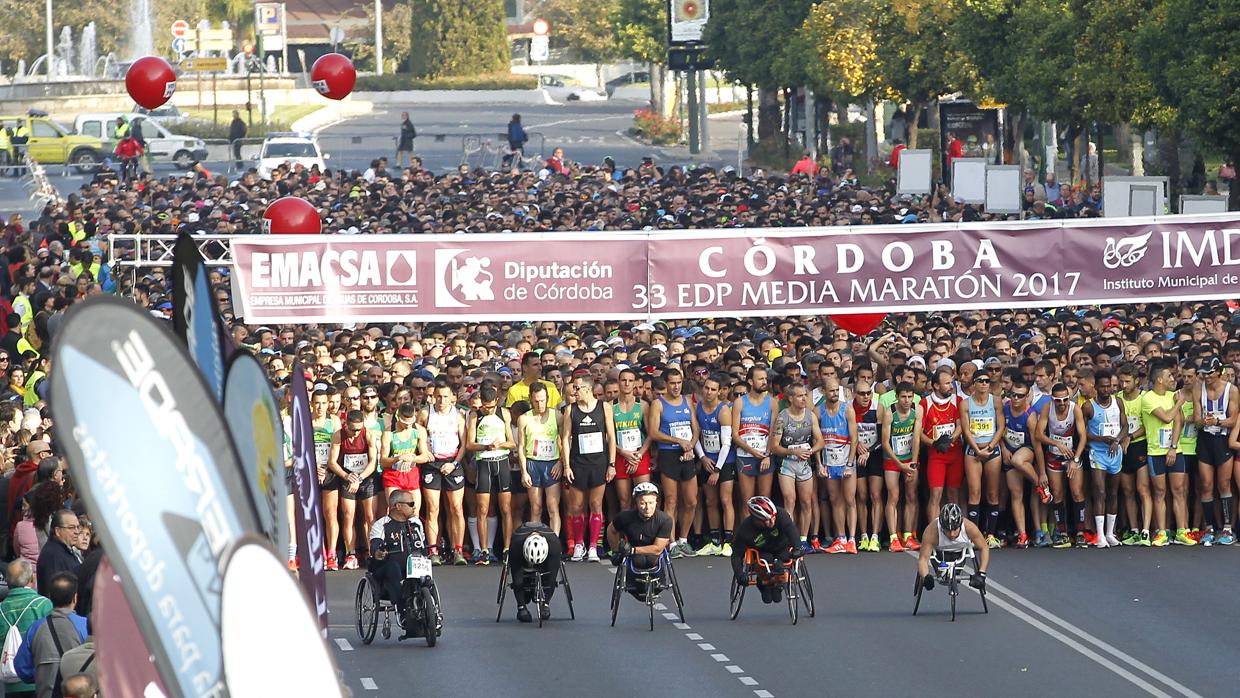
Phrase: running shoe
pixel 687 550
pixel 1225 538
pixel 474 556
pixel 493 559
pixel 1133 537
pixel 436 558
pixel 1144 539
pixel 1112 540
pixel 1040 540
pixel 992 542
pixel 459 559
pixel 806 548
pixel 1207 538
pixel 1183 537
pixel 1082 540
pixel 1060 541
pixel 331 565
pixel 293 564
pixel 579 552
pixel 910 542
pixel 894 546
pixel 711 548
pixel 1195 534
pixel 1160 541
pixel 864 545
pixel 726 551
pixel 350 562
pixel 850 547
pixel 592 554
pixel 1022 541
pixel 1091 538
pixel 482 558
pixel 1044 493
pixel 816 544
pixel 837 547
pixel 1101 542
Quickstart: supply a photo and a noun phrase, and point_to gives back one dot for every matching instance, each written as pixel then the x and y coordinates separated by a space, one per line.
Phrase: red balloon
pixel 859 324
pixel 333 75
pixel 150 81
pixel 291 215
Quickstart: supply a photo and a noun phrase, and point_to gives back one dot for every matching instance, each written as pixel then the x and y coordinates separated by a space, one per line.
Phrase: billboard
pixel 686 20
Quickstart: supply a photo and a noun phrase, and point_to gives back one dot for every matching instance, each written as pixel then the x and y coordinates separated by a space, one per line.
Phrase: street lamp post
pixel 378 37
pixel 48 68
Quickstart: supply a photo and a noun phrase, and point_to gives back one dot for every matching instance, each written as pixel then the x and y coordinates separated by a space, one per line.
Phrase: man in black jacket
pixel 404 145
pixel 236 131
pixel 58 553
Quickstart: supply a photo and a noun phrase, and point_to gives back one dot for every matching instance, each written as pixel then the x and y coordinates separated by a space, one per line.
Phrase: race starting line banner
pixel 736 272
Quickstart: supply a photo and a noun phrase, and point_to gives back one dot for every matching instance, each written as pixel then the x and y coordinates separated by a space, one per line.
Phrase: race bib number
pixel 797 445
pixel 545 449
pixel 1134 423
pixel 444 444
pixel 902 444
pixel 837 456
pixel 710 442
pixel 1190 431
pixel 417 567
pixel 867 434
pixel 1063 442
pixel 682 431
pixel 941 430
pixel 1014 439
pixel 355 462
pixel 590 443
pixel 982 426
pixel 321 452
pixel 630 439
pixel 1110 430
pixel 1164 437
pixel 756 441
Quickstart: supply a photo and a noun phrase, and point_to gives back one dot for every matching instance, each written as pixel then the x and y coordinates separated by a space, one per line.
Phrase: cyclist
pixel 535 551
pixel 393 539
pixel 771 532
pixel 642 533
pixel 952 534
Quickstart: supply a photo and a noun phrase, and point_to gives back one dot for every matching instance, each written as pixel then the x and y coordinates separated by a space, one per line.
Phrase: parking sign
pixel 269 17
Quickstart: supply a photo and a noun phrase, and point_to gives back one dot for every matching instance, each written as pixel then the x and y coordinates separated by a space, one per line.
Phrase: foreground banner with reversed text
pixel 749 272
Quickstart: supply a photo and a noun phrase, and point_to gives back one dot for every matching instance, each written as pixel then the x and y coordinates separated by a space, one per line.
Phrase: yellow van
pixel 53 144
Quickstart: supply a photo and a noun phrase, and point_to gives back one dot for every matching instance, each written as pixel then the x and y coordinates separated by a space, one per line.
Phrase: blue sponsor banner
pixel 152 457
pixel 307 513
pixel 254 419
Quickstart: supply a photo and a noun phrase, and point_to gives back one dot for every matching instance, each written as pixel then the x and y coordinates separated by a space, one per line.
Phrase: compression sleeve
pixel 725 438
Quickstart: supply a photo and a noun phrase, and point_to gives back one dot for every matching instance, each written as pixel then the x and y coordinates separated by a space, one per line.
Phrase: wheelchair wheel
pixel 650 599
pixel 976 569
pixel 806 587
pixel 366 608
pixel 540 598
pixel 737 598
pixel 616 591
pixel 953 590
pixel 680 602
pixel 568 591
pixel 430 617
pixel 790 595
pixel 917 591
pixel 499 597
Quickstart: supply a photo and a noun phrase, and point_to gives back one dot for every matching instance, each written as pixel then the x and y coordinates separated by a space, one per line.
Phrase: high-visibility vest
pixel 31 398
pixel 6 142
pixel 76 269
pixel 24 345
pixel 122 128
pixel 22 306
pixel 77 231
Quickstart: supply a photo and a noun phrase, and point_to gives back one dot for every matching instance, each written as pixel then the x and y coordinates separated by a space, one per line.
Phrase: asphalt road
pixel 1061 622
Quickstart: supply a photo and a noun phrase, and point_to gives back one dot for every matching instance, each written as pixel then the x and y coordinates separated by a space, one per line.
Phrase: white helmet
pixel 645 488
pixel 535 549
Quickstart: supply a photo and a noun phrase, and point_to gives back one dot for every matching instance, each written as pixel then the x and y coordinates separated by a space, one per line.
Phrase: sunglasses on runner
pixel 1019 396
pixel 981 380
pixel 864 393
pixel 1059 399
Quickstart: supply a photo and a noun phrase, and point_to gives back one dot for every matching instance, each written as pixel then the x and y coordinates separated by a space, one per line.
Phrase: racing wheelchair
pixel 794 579
pixel 536 587
pixel 946 568
pixel 424 615
pixel 647 585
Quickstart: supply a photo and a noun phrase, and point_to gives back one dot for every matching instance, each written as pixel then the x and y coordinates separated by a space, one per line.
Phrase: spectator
pixel 129 150
pixel 556 163
pixel 47 640
pixel 80 661
pixel 22 608
pixel 842 156
pixel 81 685
pixel 236 132
pixel 404 143
pixel 805 166
pixel 1052 192
pixel 59 554
pixel 516 143
pixel 955 149
pixel 897 148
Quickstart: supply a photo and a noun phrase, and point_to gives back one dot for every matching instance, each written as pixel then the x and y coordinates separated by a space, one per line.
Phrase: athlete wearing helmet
pixel 952 533
pixel 770 531
pixel 643 531
pixel 535 551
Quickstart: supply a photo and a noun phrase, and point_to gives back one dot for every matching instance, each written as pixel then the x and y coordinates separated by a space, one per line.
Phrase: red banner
pixel 752 272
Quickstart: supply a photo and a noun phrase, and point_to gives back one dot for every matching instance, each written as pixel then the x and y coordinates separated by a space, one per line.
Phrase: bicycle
pixel 947 571
pixel 793 577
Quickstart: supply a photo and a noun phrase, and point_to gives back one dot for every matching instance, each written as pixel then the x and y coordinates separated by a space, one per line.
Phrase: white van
pixel 162 146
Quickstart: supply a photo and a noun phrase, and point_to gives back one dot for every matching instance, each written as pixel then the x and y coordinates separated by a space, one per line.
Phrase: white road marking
pixel 369 684
pixel 763 694
pixel 343 644
pixel 748 681
pixel 660 607
pixel 693 636
pixel 720 657
pixel 578 121
pixel 733 669
pixel 706 646
pixel 680 626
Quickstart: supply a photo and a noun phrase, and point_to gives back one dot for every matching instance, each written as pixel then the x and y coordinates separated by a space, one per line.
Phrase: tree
pixel 1196 75
pixel 640 29
pixel 22 33
pixel 396 43
pixel 450 37
pixel 584 26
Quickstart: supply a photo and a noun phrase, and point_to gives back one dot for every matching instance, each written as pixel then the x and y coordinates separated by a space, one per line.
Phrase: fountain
pixel 140 41
pixel 87 58
pixel 64 64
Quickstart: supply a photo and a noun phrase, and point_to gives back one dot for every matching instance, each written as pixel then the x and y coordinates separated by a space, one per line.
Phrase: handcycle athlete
pixel 771 532
pixel 947 543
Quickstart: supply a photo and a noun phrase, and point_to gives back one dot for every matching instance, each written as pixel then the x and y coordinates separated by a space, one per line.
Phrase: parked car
pixel 630 78
pixel 291 148
pixel 168 115
pixel 53 144
pixel 161 144
pixel 565 89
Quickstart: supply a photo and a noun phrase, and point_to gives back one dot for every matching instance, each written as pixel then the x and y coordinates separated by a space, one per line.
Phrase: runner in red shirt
pixel 941 429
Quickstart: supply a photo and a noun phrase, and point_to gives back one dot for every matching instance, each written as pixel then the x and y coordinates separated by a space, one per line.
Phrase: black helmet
pixel 950 517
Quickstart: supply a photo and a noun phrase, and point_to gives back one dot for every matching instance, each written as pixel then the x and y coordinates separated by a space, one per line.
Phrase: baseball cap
pixel 945 362
pixel 916 359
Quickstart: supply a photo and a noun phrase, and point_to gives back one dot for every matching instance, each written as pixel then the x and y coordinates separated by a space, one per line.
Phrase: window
pixel 290 150
pixel 43 129
pixel 92 128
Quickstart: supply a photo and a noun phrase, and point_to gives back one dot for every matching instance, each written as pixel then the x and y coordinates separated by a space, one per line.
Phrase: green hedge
pixel 400 82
